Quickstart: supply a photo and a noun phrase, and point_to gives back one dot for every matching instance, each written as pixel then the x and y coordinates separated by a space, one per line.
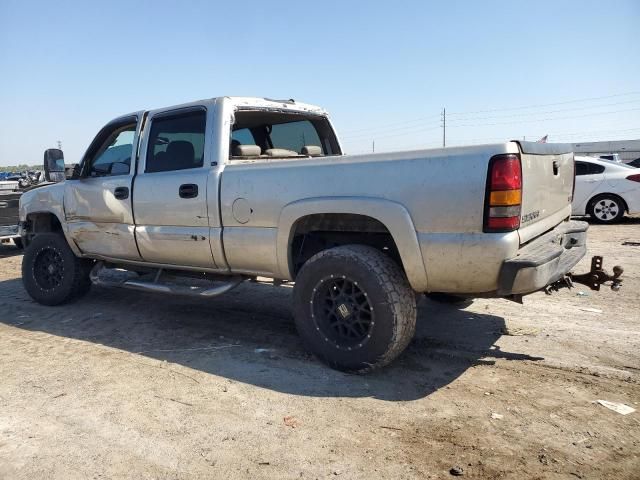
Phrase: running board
pixel 168 288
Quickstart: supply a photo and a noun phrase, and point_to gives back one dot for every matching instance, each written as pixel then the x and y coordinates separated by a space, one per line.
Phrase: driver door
pixel 97 206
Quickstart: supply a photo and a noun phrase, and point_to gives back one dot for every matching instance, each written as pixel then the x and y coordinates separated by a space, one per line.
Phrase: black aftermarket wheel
pixel 341 311
pixel 354 308
pixel 51 273
pixel 48 268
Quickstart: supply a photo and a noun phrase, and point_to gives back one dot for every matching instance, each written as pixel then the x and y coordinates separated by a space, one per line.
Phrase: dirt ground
pixel 131 385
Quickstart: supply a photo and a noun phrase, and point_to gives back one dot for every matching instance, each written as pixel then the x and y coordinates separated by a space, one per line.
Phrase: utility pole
pixel 373 147
pixel 444 127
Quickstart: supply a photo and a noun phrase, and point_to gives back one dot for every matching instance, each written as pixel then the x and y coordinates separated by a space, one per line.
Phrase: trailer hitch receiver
pixel 594 279
pixel 598 276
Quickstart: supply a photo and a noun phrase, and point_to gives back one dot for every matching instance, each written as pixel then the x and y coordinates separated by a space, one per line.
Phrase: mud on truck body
pixel 196 198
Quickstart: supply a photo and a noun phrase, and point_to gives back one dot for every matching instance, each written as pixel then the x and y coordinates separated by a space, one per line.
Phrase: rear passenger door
pixel 170 190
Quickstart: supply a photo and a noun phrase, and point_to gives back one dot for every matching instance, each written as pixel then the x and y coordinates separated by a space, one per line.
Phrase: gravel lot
pixel 131 385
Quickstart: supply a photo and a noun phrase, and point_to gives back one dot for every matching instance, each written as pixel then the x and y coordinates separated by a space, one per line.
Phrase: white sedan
pixel 605 190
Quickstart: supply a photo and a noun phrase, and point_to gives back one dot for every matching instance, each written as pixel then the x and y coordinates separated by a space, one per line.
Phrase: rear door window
pixel 176 142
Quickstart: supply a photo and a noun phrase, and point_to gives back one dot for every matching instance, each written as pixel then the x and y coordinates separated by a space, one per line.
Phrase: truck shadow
pixel 248 336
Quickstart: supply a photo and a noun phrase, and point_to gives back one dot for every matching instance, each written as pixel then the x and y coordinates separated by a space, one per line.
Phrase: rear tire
pixel 354 308
pixel 606 208
pixel 51 273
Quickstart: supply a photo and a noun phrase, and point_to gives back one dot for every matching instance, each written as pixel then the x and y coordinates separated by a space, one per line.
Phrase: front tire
pixel 354 308
pixel 51 273
pixel 606 209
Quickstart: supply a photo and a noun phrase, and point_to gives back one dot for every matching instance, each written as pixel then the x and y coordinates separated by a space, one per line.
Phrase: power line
pixel 545 119
pixel 518 115
pixel 383 127
pixel 444 127
pixel 547 104
pixel 555 135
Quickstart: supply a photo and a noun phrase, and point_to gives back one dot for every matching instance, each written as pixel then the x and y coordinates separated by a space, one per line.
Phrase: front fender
pixel 47 199
pixel 392 215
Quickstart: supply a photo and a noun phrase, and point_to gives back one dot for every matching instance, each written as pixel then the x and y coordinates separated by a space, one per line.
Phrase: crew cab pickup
pixel 196 198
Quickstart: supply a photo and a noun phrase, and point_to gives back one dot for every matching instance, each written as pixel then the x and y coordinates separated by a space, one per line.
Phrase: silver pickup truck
pixel 195 198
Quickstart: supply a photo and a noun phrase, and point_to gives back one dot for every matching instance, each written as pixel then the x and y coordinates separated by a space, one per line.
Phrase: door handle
pixel 188 190
pixel 121 193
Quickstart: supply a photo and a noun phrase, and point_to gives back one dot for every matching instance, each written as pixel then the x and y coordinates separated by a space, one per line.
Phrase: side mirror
pixel 54 165
pixel 119 168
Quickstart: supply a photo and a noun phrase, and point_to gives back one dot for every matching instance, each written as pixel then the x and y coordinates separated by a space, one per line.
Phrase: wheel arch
pixel 391 215
pixel 45 221
pixel 42 222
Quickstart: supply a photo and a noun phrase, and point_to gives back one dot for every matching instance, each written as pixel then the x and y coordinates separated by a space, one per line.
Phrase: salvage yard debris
pixel 291 421
pixel 588 309
pixel 621 408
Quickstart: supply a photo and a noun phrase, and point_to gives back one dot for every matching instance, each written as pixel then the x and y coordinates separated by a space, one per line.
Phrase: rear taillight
pixel 504 194
pixel 634 178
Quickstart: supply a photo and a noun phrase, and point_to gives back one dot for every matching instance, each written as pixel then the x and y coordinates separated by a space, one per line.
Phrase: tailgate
pixel 547 185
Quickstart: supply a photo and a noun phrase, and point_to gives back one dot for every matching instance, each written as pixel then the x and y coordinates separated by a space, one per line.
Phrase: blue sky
pixel 383 69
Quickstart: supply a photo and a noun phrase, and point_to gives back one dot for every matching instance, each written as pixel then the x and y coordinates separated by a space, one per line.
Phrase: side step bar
pixel 168 288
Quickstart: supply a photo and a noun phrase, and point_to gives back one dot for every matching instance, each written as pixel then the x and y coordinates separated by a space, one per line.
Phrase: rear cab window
pixel 274 134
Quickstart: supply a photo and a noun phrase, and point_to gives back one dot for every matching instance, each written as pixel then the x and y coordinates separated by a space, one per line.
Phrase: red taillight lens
pixel 506 173
pixel 504 194
pixel 503 224
pixel 634 178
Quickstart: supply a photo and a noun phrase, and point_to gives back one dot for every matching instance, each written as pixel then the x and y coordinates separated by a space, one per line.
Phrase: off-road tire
pixel 390 297
pixel 51 273
pixel 609 200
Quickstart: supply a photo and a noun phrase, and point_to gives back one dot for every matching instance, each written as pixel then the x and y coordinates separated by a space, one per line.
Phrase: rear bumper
pixel 544 260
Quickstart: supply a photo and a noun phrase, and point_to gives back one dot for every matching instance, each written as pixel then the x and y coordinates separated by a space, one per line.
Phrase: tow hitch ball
pixel 596 277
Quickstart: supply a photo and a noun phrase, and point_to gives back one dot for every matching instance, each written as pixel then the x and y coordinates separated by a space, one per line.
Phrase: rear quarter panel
pixel 442 190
